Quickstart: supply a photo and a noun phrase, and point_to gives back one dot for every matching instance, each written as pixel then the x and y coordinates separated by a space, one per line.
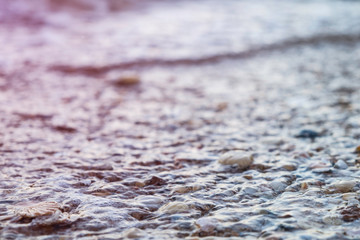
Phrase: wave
pixel 212 59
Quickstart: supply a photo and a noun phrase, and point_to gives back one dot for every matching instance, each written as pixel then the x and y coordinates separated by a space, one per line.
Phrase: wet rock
pixel 221 107
pixel 307 133
pixel 350 213
pixel 174 207
pixel 342 186
pixel 207 224
pixel 242 159
pixel 250 190
pixel 290 167
pixel 139 214
pixel 186 189
pixel 133 233
pixel 340 164
pixel 357 150
pixel 32 210
pixel 150 202
pixel 156 181
pixel 278 186
pixel 332 220
pixel 43 214
pixel 304 186
pixel 127 80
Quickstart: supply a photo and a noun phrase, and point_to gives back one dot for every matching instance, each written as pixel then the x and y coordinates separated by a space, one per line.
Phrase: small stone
pixel 343 186
pixel 182 189
pixel 357 149
pixel 186 189
pixel 250 190
pixel 133 233
pixel 278 186
pixel 307 133
pixel 207 224
pixel 127 80
pixel 242 159
pixel 290 167
pixel 332 220
pixel 340 164
pixel 248 177
pixel 273 141
pixel 221 107
pixel 31 210
pixel 156 181
pixel 174 207
pixel 350 213
pixel 304 186
pixel 150 202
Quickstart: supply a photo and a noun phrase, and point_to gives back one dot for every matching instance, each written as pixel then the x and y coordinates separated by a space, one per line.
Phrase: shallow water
pixel 85 157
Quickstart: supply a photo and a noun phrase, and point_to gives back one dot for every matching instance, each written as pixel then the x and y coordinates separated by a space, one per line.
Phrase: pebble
pixel 207 224
pixel 307 133
pixel 278 186
pixel 151 202
pixel 340 164
pixel 133 233
pixel 174 207
pixel 32 210
pixel 348 196
pixel 127 80
pixel 304 186
pixel 343 186
pixel 290 167
pixel 332 220
pixel 242 159
pixel 186 189
pixel 357 149
pixel 273 141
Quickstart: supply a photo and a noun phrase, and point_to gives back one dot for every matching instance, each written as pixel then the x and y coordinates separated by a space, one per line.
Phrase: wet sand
pixel 139 121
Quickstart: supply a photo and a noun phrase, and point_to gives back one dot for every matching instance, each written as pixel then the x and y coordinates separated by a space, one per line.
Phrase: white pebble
pixel 174 207
pixel 343 186
pixel 242 159
pixel 133 233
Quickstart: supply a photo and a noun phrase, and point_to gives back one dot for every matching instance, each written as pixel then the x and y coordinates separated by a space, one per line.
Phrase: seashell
pixel 242 159
pixel 32 210
pixel 174 207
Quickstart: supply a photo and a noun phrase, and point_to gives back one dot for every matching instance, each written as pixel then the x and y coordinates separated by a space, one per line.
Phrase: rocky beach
pixel 167 119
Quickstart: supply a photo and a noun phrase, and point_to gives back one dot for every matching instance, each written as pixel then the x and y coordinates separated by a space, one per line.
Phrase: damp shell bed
pixel 124 123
